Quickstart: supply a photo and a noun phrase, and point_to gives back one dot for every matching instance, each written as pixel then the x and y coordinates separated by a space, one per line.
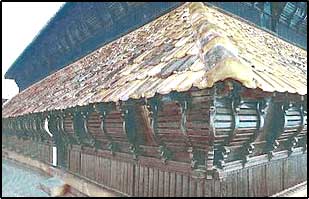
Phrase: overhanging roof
pixel 77 29
pixel 193 45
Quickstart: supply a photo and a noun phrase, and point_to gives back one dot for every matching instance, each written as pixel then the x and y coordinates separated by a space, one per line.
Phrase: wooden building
pixel 195 103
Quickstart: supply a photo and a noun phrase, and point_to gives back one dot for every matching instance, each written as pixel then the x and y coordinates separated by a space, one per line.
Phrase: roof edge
pixel 9 72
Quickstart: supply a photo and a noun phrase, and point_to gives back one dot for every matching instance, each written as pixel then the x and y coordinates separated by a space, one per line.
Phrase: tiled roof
pixel 193 45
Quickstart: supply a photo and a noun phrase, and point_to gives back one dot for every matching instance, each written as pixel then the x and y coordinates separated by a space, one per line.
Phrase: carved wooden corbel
pixel 282 110
pixel 224 152
pixel 23 127
pixel 261 107
pixel 102 110
pixel 85 116
pixel 76 135
pixel 154 106
pixel 210 156
pixel 184 110
pixel 134 145
pixel 165 153
pixel 64 136
pixel 293 141
pixel 305 123
pixel 235 110
pixel 43 117
pixel 82 114
pixel 33 128
pixel 197 159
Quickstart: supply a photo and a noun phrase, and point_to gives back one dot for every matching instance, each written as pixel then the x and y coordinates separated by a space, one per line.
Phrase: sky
pixel 21 22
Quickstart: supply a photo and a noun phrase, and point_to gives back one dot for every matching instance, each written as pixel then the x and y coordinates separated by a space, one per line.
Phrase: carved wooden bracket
pixel 153 106
pixel 184 109
pixel 235 110
pixel 197 158
pixel 165 153
pixel 102 110
pixel 75 136
pixel 80 120
pixel 210 156
pixel 224 152
pixel 60 126
pixel 261 108
pixel 129 130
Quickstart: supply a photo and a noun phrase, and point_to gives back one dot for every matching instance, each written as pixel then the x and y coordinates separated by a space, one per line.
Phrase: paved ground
pixel 302 193
pixel 299 190
pixel 19 181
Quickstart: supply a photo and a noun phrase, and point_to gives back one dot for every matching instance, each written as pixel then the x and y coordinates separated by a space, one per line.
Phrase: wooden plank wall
pixel 38 150
pixel 114 174
pixel 134 179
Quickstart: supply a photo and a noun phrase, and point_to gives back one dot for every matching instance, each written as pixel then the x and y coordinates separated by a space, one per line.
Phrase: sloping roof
pixel 193 45
pixel 76 24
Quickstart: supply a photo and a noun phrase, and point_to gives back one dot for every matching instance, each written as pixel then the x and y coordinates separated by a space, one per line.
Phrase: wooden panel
pixel 257 180
pixel 185 186
pixel 167 183
pixel 146 181
pixel 74 164
pixel 107 167
pixel 172 186
pixel 217 188
pixel 155 182
pixel 136 181
pixel 209 188
pixel 234 184
pixel 113 173
pixel 151 182
pixel 200 188
pixel 243 179
pixel 118 175
pixel 161 184
pixel 87 166
pixel 98 170
pixel 141 181
pixel 82 165
pixel 224 187
pixel 192 189
pixel 131 179
pixel 122 176
pixel 274 177
pixel 179 185
pixel 293 174
pixel 302 167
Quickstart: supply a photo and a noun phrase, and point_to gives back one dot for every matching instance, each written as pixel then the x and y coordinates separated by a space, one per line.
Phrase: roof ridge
pixel 209 36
